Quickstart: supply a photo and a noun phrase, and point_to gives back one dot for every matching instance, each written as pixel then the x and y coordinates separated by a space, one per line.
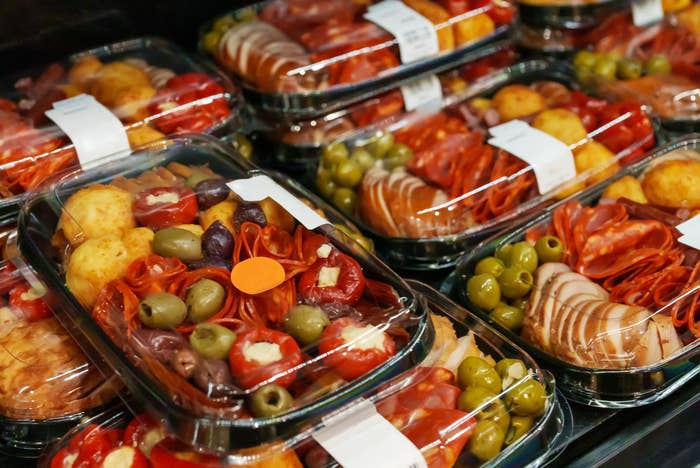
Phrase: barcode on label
pixel 424 94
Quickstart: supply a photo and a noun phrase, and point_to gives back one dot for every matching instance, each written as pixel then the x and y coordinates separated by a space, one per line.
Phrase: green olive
pixel 362 158
pixel 497 412
pixel 222 24
pixel 508 316
pixel 196 177
pixel 605 67
pixel 212 341
pixel 397 156
pixel 519 426
pixel 306 323
pixel 511 370
pixel 333 154
pixel 483 291
pixel 246 14
pixel 379 146
pixel 176 242
pixel 474 397
pixel 210 42
pixel 584 75
pixel 243 145
pixel 162 310
pixel 348 174
pixel 515 282
pixel 270 400
pixel 364 241
pixel 549 249
pixel 204 299
pixel 524 255
pixel 526 398
pixel 325 184
pixel 585 60
pixel 503 253
pixel 345 200
pixel 489 265
pixel 486 440
pixel 658 65
pixel 476 372
pixel 629 69
pixel 519 303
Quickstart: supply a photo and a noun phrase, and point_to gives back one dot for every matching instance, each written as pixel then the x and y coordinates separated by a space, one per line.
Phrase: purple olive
pixel 210 262
pixel 210 192
pixel 248 211
pixel 217 241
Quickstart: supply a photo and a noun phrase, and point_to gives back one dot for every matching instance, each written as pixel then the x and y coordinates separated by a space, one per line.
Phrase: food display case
pixel 601 288
pixel 300 58
pixel 469 428
pixel 151 85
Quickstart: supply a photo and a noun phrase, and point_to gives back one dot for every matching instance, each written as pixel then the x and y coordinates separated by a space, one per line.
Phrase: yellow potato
pixel 277 215
pixel 195 229
pixel 223 212
pixel 96 211
pixel 515 101
pixel 131 102
pixel 70 90
pixel 474 28
pixel 627 187
pixel 562 124
pixel 84 71
pixel 598 159
pixel 112 78
pixel 481 104
pixel 138 242
pixel 142 135
pixel 673 183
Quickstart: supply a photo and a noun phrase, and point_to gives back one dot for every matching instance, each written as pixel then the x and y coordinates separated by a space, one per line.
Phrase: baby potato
pixel 562 124
pixel 222 211
pixel 112 78
pixel 142 135
pixel 474 28
pixel 84 71
pixel 138 242
pixel 96 211
pixel 195 229
pixel 597 158
pixel 627 187
pixel 673 183
pixel 275 214
pixel 131 102
pixel 515 101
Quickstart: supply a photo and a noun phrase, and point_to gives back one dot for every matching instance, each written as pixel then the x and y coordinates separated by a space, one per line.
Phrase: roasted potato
pixel 195 229
pixel 84 71
pixel 112 78
pixel 223 212
pixel 598 159
pixel 627 187
pixel 275 214
pixel 438 16
pixel 673 183
pixel 138 242
pixel 474 28
pixel 515 101
pixel 130 103
pixel 143 134
pixel 96 211
pixel 562 124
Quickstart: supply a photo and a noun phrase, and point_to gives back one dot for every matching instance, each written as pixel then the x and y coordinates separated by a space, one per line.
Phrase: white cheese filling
pixel 169 197
pixel 368 337
pixel 262 352
pixel 328 276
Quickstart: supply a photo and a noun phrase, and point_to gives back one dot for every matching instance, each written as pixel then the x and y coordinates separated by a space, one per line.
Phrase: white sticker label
pixel 424 94
pixel 259 187
pixel 414 32
pixel 360 437
pixel 550 159
pixel 646 12
pixel 93 129
pixel 691 232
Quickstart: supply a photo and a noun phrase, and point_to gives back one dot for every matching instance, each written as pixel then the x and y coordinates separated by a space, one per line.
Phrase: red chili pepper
pixel 93 444
pixel 245 360
pixel 22 298
pixel 354 358
pixel 125 456
pixel 63 459
pixel 144 431
pixel 349 285
pixel 152 207
pixel 633 129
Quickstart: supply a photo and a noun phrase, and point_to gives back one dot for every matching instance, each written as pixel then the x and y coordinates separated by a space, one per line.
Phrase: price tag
pixel 423 94
pixel 646 12
pixel 550 159
pixel 690 230
pixel 259 187
pixel 414 32
pixel 93 129
pixel 361 437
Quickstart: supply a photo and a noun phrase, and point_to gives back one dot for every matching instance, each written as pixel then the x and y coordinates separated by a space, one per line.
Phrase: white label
pixel 360 437
pixel 414 32
pixel 550 159
pixel 259 187
pixel 691 232
pixel 424 94
pixel 93 129
pixel 646 12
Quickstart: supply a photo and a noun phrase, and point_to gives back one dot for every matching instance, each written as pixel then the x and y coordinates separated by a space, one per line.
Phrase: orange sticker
pixel 257 274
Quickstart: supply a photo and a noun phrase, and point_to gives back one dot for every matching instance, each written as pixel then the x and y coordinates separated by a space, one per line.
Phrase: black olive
pixel 248 211
pixel 210 262
pixel 217 241
pixel 210 192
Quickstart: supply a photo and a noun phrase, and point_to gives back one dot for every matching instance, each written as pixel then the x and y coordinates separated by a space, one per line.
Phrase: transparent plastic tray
pixel 567 14
pixel 629 342
pixel 537 446
pixel 428 185
pixel 298 59
pixel 198 324
pixel 153 86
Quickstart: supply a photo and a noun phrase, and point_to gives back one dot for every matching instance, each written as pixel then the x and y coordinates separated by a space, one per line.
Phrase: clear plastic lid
pixel 499 409
pixel 656 65
pixel 604 285
pixel 567 15
pixel 227 304
pixel 435 178
pixel 300 57
pixel 152 86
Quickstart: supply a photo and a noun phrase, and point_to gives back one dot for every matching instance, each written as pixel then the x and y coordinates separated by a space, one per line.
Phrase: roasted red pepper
pixel 29 302
pixel 352 348
pixel 634 128
pixel 336 279
pixel 264 355
pixel 88 448
pixel 433 388
pixel 162 207
pixel 144 431
pixel 125 456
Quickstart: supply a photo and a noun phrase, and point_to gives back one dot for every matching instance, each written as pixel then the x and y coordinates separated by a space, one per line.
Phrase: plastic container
pixel 153 86
pixel 206 400
pixel 596 368
pixel 567 14
pixel 538 446
pixel 48 385
pixel 428 185
pixel 299 59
